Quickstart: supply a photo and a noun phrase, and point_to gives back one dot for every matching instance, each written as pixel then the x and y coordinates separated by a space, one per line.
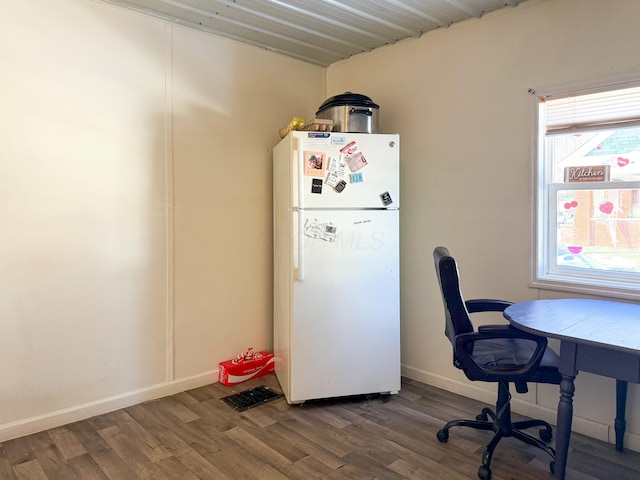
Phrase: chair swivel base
pixel 503 427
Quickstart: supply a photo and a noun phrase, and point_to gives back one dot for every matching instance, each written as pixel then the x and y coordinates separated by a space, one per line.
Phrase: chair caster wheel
pixel 484 473
pixel 443 435
pixel 545 435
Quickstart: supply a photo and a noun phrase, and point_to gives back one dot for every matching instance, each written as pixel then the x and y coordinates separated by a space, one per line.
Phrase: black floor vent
pixel 251 398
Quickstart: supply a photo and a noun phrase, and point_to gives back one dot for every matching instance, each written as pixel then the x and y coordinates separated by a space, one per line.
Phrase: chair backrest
pixel 456 315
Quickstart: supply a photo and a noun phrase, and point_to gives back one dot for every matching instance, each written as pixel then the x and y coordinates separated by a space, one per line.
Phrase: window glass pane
pixel 598 229
pixel 617 148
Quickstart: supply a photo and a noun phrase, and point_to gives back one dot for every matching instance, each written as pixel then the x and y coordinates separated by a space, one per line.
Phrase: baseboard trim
pixel 584 426
pixel 58 418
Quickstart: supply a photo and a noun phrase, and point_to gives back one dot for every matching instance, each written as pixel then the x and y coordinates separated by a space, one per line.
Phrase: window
pixel 588 192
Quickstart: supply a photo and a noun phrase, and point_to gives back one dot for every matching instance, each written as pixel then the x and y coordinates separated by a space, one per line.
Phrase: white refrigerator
pixel 336 264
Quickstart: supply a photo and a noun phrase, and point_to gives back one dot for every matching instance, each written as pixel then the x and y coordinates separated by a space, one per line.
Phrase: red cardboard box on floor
pixel 245 367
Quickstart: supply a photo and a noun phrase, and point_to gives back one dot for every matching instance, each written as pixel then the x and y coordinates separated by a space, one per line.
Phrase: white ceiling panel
pixel 316 31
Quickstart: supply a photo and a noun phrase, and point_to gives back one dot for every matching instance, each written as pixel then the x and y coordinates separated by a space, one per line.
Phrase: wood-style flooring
pixel 196 436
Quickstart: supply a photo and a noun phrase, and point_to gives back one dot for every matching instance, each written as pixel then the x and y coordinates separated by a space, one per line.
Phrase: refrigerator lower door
pixel 345 322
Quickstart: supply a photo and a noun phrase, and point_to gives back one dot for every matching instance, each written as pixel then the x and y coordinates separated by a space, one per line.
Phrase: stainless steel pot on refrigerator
pixel 350 112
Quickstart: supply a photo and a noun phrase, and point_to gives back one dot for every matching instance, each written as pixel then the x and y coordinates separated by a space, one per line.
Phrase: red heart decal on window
pixel 567 206
pixel 606 207
pixel 575 249
pixel 574 204
pixel 622 161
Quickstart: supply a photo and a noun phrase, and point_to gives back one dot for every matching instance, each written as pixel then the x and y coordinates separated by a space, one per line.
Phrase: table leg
pixel 621 403
pixel 563 429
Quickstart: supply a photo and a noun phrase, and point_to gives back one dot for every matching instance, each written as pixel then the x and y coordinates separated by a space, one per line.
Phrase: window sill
pixel 612 290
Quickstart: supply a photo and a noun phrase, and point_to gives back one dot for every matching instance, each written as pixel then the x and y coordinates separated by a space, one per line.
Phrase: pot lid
pixel 348 98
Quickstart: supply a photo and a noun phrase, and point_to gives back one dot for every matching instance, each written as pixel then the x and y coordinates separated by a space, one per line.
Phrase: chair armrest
pixel 464 348
pixel 486 305
pixel 497 329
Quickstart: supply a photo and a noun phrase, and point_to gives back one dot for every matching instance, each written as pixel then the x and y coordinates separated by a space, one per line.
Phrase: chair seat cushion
pixel 502 355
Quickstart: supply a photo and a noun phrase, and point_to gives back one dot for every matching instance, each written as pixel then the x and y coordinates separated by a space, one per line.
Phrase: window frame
pixel 545 273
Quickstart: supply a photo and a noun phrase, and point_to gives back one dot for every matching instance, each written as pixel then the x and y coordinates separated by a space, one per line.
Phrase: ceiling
pixel 317 31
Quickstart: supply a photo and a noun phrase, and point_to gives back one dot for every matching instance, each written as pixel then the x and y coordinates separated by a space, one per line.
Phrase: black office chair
pixel 493 353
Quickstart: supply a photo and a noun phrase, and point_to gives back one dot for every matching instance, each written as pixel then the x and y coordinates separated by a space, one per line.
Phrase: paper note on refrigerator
pixel 333 179
pixel 315 228
pixel 336 168
pixel 337 164
pixel 355 158
pixel 356 162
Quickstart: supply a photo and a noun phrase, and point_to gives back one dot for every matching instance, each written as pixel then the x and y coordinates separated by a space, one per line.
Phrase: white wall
pixel 135 205
pixel 458 97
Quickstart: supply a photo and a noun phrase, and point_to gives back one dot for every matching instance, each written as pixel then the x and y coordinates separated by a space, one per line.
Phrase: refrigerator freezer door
pixel 334 179
pixel 345 324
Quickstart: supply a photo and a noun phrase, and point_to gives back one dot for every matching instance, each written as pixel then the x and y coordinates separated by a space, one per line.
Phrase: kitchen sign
pixel 591 173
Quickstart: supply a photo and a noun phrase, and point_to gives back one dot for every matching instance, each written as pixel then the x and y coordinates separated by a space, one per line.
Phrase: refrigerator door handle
pixel 300 274
pixel 300 170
